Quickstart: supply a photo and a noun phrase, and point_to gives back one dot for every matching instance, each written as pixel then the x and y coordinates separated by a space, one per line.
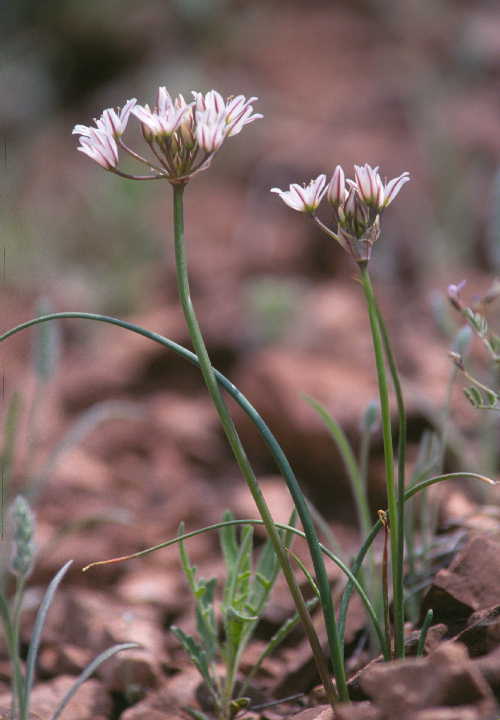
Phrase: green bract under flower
pixel 182 137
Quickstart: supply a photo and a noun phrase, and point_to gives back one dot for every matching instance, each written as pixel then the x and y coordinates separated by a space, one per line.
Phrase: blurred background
pixel 407 86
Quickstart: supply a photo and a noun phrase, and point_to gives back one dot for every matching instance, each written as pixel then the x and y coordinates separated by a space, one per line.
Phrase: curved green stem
pixel 244 464
pixel 392 500
pixel 282 526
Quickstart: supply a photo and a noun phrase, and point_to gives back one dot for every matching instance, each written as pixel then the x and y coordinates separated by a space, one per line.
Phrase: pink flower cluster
pixel 182 136
pixel 357 205
pixel 346 196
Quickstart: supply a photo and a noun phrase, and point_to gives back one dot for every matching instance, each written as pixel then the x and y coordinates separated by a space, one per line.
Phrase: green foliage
pixel 22 529
pixel 244 595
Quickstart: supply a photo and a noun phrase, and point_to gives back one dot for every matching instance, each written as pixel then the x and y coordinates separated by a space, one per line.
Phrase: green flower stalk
pixel 357 208
pixel 183 138
pixel 242 460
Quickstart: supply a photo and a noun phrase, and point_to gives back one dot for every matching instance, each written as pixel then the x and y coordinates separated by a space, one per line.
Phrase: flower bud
pixel 454 295
pixel 337 193
pixel 350 203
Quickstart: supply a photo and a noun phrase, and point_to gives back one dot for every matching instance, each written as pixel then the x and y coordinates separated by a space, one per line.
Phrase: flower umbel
pixel 182 137
pixel 357 205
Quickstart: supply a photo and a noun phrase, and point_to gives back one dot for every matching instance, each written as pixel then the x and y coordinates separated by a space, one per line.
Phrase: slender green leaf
pixel 228 541
pixel 350 462
pixel 203 592
pixel 46 345
pixel 423 632
pixel 38 629
pixel 87 672
pixel 189 570
pixel 306 572
pixel 238 579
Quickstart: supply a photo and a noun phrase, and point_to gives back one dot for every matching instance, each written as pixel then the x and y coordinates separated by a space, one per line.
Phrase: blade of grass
pixel 423 632
pixel 350 462
pixel 37 633
pixel 87 672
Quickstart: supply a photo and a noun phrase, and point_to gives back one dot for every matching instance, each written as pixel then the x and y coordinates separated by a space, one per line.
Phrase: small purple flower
pixel 304 198
pixel 454 294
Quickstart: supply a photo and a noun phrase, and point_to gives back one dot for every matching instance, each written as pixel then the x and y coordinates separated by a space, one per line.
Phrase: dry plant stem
pixel 395 508
pixel 242 460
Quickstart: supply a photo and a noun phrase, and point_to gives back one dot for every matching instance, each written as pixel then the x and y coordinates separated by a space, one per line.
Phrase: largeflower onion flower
pixel 304 198
pixel 182 136
pixel 357 205
pixel 99 142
